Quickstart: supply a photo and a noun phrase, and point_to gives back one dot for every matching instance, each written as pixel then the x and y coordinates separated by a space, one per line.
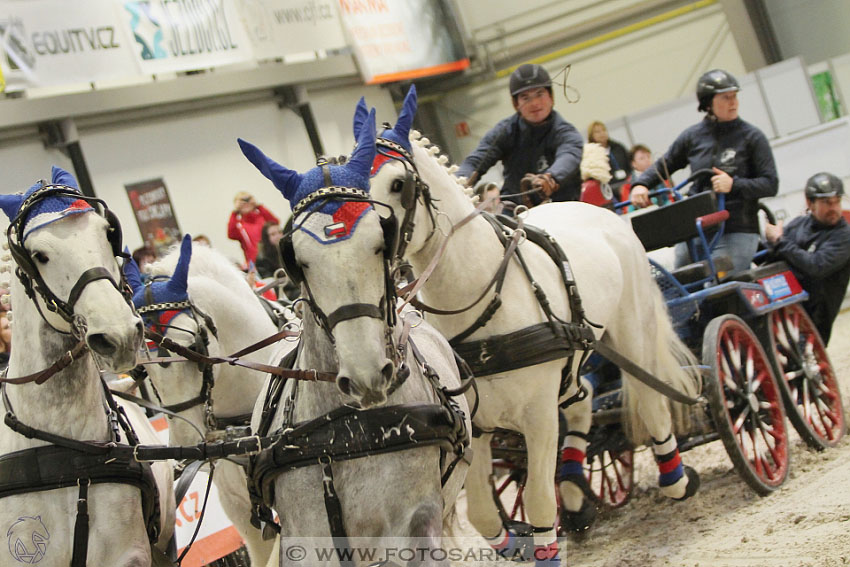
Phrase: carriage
pixel 763 360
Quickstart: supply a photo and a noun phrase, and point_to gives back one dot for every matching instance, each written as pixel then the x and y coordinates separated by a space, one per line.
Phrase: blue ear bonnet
pixel 400 133
pixel 328 220
pixel 171 290
pixel 46 210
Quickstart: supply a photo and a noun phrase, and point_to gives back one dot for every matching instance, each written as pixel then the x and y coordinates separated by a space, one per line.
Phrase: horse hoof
pixel 519 544
pixel 693 483
pixel 580 521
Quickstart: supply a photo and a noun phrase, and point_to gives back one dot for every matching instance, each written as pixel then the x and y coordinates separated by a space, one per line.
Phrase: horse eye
pixel 397 186
pixel 40 257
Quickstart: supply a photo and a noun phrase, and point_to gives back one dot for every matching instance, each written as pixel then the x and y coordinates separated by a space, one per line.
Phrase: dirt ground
pixel 806 523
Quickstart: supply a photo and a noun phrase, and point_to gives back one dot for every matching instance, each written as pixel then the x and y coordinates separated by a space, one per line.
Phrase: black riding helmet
pixel 822 185
pixel 529 76
pixel 714 82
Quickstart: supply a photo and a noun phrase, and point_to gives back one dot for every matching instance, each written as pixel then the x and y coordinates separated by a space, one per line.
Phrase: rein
pixel 190 355
pixel 42 376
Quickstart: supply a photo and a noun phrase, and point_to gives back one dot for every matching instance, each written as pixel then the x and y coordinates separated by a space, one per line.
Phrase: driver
pixel 540 151
pixel 739 155
pixel 817 246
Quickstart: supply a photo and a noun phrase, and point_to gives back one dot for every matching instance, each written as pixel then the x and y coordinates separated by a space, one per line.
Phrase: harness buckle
pixel 136 456
pixel 259 448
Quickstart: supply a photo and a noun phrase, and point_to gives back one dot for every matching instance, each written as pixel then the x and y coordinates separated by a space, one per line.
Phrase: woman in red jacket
pixel 246 224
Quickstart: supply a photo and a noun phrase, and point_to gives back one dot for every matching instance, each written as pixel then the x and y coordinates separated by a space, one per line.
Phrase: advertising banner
pixel 154 214
pixel 278 28
pixel 185 35
pixel 54 42
pixel 396 41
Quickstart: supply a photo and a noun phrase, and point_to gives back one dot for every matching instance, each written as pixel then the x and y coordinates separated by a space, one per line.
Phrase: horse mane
pixel 7 269
pixel 206 262
pixel 428 156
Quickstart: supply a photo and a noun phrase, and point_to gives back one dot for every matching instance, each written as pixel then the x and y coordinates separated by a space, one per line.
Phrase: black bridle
pixel 385 310
pixel 413 190
pixel 205 327
pixel 29 275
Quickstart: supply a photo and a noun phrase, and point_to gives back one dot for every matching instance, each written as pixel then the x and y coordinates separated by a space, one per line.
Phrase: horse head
pixel 395 178
pixel 166 309
pixel 335 249
pixel 65 245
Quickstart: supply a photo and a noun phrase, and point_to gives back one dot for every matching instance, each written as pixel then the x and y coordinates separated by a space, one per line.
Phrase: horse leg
pixel 577 501
pixel 540 430
pixel 481 509
pixel 676 480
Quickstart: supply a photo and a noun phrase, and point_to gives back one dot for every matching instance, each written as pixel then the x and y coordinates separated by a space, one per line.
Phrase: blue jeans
pixel 739 246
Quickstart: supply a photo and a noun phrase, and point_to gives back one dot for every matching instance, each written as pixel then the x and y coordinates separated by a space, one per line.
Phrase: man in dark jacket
pixel 540 151
pixel 740 157
pixel 817 246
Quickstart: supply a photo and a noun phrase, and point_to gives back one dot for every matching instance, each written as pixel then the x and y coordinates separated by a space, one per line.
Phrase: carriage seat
pixel 673 223
pixel 757 273
pixel 701 270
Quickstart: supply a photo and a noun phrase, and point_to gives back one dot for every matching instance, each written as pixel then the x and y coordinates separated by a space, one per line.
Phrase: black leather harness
pixel 346 433
pixel 69 462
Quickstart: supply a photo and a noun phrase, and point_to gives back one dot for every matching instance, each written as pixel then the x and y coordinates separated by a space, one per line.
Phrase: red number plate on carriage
pixel 781 285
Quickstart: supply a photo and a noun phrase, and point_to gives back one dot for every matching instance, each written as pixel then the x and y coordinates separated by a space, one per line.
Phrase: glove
pixel 545 184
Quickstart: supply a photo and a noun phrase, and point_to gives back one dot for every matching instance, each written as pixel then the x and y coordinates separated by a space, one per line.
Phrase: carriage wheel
pixel 611 475
pixel 807 380
pixel 746 403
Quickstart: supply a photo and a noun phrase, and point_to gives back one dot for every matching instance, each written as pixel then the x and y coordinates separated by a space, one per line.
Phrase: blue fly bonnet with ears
pixel 326 220
pixel 46 210
pixel 398 134
pixel 171 290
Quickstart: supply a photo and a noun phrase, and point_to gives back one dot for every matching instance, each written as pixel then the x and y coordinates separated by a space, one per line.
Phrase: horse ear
pixel 364 153
pixel 179 281
pixel 361 115
pixel 286 180
pixel 408 111
pixel 61 177
pixel 11 204
pixel 132 272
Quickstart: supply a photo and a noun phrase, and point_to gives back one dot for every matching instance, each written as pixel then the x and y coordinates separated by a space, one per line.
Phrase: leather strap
pixel 81 526
pixel 41 376
pixel 353 311
pixel 333 507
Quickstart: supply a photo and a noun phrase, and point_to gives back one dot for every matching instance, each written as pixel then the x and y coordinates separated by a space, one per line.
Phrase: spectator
pixel 143 257
pixel 246 224
pixel 640 159
pixel 5 340
pixel 490 191
pixel 817 247
pixel 268 254
pixel 540 151
pixel 203 240
pixel 618 158
pixel 739 155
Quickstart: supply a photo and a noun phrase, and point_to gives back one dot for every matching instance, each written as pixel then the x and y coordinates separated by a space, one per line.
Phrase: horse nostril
pixel 347 387
pixel 100 344
pixel 387 372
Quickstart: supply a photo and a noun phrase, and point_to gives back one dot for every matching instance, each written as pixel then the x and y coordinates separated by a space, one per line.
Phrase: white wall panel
pixel 200 161
pixel 24 163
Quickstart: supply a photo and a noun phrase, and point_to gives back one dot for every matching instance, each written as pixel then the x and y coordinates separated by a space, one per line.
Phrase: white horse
pixel 206 305
pixel 365 460
pixel 57 509
pixel 611 272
